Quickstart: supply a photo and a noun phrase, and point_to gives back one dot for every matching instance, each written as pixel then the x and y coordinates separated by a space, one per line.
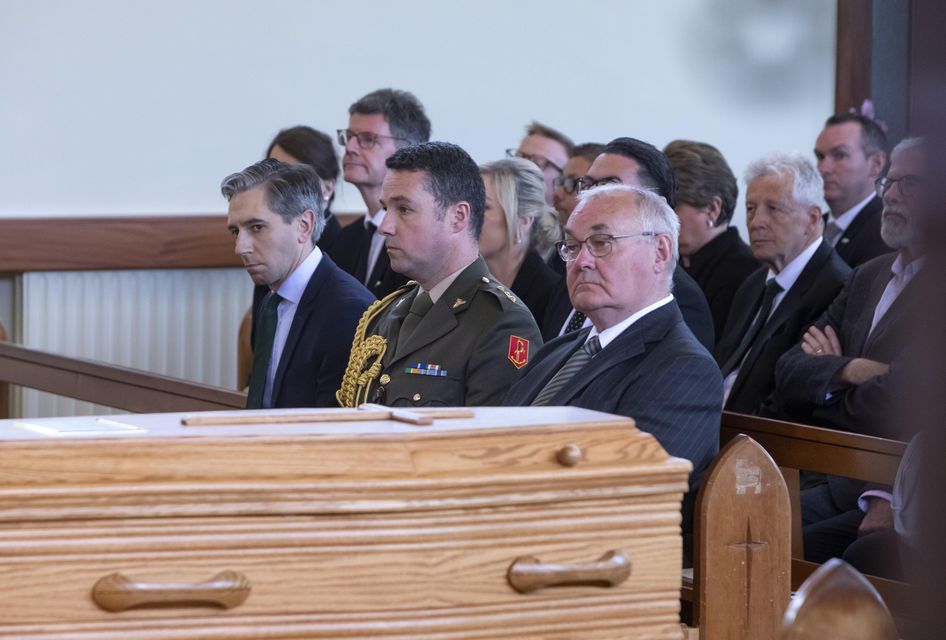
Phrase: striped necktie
pixel 578 360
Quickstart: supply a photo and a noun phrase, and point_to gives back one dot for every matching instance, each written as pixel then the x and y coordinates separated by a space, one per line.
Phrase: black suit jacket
pixel 347 252
pixel 861 241
pixel 655 372
pixel 819 283
pixel 689 297
pixel 535 283
pixel 719 268
pixel 316 352
pixel 804 381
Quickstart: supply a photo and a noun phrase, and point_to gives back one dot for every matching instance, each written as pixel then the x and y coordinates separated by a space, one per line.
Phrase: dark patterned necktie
pixel 578 360
pixel 575 322
pixel 263 349
pixel 772 289
pixel 831 232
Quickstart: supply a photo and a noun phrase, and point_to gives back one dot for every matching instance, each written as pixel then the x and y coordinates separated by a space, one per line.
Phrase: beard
pixel 897 229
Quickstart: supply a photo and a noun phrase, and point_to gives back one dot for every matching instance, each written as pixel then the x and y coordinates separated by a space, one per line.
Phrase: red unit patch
pixel 518 351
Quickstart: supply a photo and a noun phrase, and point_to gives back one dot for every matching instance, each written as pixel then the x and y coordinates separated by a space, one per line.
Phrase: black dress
pixel 534 284
pixel 720 267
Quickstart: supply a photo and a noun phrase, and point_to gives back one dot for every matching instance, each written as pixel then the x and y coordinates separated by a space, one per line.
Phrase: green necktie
pixel 263 350
pixel 419 308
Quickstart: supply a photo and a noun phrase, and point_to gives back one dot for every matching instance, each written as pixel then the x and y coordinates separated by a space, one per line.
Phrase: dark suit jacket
pixel 330 234
pixel 689 298
pixel 655 372
pixel 535 283
pixel 803 381
pixel 719 267
pixel 316 352
pixel 861 241
pixel 347 252
pixel 819 283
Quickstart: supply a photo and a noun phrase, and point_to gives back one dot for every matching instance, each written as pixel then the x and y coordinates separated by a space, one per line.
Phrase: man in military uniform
pixel 453 336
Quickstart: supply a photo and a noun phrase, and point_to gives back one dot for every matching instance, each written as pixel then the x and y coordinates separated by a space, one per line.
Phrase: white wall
pixel 134 106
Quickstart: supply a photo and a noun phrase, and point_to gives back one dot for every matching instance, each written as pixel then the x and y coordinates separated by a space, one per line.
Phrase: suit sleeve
pixel 803 382
pixel 490 372
pixel 346 314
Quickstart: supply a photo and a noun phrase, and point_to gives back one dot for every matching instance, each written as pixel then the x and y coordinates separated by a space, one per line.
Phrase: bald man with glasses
pixel 379 124
pixel 638 358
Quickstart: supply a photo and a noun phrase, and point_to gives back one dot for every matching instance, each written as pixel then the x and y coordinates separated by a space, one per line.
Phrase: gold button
pixel 416 397
pixel 385 379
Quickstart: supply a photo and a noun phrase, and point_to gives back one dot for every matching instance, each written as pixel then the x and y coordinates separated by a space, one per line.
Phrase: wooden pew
pixel 109 385
pixel 796 447
pixel 837 602
pixel 743 549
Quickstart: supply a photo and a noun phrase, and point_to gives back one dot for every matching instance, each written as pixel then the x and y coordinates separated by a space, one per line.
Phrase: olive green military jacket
pixel 466 351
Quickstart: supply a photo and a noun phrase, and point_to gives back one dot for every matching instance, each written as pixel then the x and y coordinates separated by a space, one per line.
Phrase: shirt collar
pixel 844 220
pixel 906 272
pixel 441 287
pixel 790 273
pixel 294 286
pixel 375 218
pixel 609 334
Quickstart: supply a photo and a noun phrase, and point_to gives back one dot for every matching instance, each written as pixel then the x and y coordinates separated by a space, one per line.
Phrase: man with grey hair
pixel 638 358
pixel 800 276
pixel 306 322
pixel 844 372
pixel 379 124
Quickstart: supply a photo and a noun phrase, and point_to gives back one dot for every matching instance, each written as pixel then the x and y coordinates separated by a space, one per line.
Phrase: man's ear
pixel 460 214
pixel 876 163
pixel 664 254
pixel 305 223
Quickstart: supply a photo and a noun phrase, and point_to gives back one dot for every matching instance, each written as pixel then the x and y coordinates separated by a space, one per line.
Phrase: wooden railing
pixel 109 385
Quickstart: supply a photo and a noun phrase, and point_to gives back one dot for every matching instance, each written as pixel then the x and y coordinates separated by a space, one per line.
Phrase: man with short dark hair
pixel 307 321
pixel 548 148
pixel 800 276
pixel 852 154
pixel 455 336
pixel 636 163
pixel 565 190
pixel 379 124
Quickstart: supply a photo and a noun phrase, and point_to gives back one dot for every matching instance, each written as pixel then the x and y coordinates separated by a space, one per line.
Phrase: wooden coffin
pixel 139 527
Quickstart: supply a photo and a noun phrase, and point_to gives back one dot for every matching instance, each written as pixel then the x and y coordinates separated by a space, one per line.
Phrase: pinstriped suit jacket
pixel 655 372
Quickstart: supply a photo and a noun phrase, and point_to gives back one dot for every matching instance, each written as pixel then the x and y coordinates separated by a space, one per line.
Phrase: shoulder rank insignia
pixel 518 351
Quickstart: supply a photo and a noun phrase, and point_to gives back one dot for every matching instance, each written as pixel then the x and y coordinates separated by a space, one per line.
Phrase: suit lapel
pixel 631 343
pixel 893 319
pixel 299 319
pixel 788 306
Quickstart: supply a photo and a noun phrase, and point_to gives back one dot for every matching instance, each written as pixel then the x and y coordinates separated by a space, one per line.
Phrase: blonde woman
pixel 519 231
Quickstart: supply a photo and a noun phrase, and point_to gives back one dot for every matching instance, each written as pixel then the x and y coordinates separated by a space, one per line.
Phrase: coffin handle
pixel 116 592
pixel 528 573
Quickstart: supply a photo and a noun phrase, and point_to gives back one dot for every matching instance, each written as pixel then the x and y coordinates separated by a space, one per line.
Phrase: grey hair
pixel 653 212
pixel 908 143
pixel 807 183
pixel 520 189
pixel 291 190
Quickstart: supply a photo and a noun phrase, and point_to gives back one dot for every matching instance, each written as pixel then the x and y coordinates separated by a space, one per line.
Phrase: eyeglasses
pixel 569 184
pixel 599 244
pixel 366 139
pixel 586 183
pixel 539 161
pixel 909 185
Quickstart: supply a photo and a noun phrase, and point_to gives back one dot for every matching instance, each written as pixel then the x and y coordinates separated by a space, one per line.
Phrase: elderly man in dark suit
pixel 852 153
pixel 638 358
pixel 844 373
pixel 636 163
pixel 306 321
pixel 801 275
